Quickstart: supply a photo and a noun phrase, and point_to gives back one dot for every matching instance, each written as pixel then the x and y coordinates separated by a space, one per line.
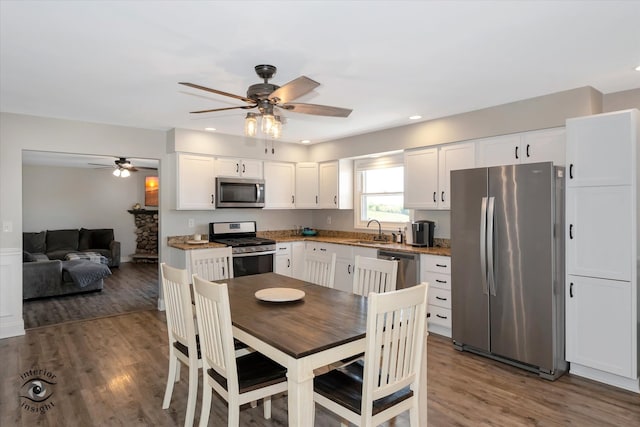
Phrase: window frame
pixel 361 165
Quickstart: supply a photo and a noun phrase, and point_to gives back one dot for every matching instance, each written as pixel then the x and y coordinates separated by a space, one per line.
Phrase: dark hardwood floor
pixel 131 287
pixel 112 371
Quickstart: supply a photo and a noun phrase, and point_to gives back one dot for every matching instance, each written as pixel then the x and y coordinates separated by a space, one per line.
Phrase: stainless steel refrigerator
pixel 507 259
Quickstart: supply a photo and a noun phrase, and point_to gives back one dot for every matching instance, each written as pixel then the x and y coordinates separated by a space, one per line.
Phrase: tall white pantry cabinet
pixel 602 216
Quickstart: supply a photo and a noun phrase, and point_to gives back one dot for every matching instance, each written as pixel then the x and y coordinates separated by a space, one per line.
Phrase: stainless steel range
pixel 251 254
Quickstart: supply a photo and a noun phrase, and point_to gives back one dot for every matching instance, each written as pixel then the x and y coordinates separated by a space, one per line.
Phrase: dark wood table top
pixel 323 319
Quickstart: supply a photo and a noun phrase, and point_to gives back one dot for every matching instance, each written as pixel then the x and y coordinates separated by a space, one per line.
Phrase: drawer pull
pixel 441 265
pixel 441 317
pixel 441 281
pixel 441 299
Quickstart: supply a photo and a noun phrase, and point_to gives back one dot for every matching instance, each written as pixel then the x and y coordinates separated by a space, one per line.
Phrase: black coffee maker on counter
pixel 422 233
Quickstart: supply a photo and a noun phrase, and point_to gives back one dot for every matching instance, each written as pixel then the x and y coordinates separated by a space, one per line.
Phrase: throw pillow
pixel 28 257
pixel 34 242
pixel 62 240
pixel 85 239
pixel 101 238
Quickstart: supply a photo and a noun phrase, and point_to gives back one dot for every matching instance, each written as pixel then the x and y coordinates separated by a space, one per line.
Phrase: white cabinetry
pixel 195 177
pixel 529 147
pixel 344 263
pixel 283 260
pixel 280 185
pixel 297 260
pixel 421 179
pixel 239 168
pixel 601 248
pixel 436 270
pixel 336 184
pixel 427 174
pixel 306 185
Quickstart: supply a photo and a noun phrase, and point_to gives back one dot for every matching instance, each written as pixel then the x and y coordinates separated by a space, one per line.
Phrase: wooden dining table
pixel 323 327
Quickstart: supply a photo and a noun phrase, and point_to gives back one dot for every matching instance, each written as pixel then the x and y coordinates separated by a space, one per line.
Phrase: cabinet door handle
pixel 571 289
pixel 441 299
pixel 528 145
pixel 441 265
pixel 349 269
pixel 571 171
pixel 442 317
pixel 213 199
pixel 323 249
pixel 335 200
pixel 288 263
pixel 293 199
pixel 441 281
pixel 517 152
pixel 442 196
pixel 316 200
pixel 434 197
pixel 237 167
pixel 571 231
pixel 244 168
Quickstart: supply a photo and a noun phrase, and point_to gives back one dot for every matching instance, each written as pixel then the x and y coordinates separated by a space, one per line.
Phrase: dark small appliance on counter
pixel 422 233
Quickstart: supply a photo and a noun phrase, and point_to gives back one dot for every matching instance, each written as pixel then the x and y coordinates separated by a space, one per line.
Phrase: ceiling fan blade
pixel 318 110
pixel 294 89
pixel 102 166
pixel 219 92
pixel 246 107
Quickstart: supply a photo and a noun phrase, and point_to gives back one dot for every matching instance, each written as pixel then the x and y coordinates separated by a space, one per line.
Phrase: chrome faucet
pixel 379 237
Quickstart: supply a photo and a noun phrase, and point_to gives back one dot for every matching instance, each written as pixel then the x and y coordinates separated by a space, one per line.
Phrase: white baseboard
pixel 10 328
pixel 605 377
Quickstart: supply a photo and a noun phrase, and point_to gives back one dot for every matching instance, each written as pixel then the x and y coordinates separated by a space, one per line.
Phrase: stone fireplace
pixel 146 222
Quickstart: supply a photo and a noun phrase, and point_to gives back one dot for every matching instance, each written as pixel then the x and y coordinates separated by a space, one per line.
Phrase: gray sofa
pixel 46 271
pixel 57 244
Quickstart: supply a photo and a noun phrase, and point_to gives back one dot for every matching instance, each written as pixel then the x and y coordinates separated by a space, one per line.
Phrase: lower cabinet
pixel 599 332
pixel 436 270
pixel 283 260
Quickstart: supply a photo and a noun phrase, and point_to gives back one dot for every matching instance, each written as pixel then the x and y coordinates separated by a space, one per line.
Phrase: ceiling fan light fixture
pixel 268 121
pixel 276 128
pixel 251 124
pixel 116 172
pixel 125 173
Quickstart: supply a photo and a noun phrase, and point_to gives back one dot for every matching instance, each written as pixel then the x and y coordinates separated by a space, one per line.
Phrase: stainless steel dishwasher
pixel 408 267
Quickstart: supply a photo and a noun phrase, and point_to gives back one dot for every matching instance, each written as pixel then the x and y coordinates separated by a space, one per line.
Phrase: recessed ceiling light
pixel 415 117
pixel 305 141
pixel 210 129
pixel 638 68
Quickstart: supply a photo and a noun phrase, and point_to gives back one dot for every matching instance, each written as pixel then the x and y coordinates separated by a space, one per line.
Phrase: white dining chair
pixel 183 346
pixel 388 382
pixel 374 275
pixel 237 380
pixel 320 268
pixel 212 263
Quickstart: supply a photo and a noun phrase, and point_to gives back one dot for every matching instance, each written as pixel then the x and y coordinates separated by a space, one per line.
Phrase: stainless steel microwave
pixel 239 193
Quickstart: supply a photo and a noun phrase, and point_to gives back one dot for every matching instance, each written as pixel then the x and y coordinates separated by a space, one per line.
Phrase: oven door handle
pixel 246 254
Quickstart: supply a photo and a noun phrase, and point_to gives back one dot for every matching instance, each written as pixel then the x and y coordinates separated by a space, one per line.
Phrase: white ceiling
pixel 120 62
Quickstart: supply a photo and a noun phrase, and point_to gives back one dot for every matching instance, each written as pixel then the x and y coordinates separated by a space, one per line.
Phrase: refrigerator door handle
pixel 490 214
pixel 483 245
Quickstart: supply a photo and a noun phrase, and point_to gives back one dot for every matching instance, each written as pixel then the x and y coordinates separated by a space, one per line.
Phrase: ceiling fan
pixel 121 164
pixel 265 96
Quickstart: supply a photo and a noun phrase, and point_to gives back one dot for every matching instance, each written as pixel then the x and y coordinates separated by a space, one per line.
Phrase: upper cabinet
pixel 427 171
pixel 598 150
pixel 280 184
pixel 307 185
pixel 336 185
pixel 195 182
pixel 529 147
pixel 244 168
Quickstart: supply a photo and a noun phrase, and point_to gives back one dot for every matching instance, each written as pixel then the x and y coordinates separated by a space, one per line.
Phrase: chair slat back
pixel 374 275
pixel 320 268
pixel 179 310
pixel 395 342
pixel 212 263
pixel 215 330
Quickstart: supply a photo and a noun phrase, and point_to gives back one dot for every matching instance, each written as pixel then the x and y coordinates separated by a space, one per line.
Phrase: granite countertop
pixel 325 236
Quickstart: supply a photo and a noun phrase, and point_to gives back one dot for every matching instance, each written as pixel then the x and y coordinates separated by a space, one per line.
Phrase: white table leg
pixel 300 396
pixel 423 384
